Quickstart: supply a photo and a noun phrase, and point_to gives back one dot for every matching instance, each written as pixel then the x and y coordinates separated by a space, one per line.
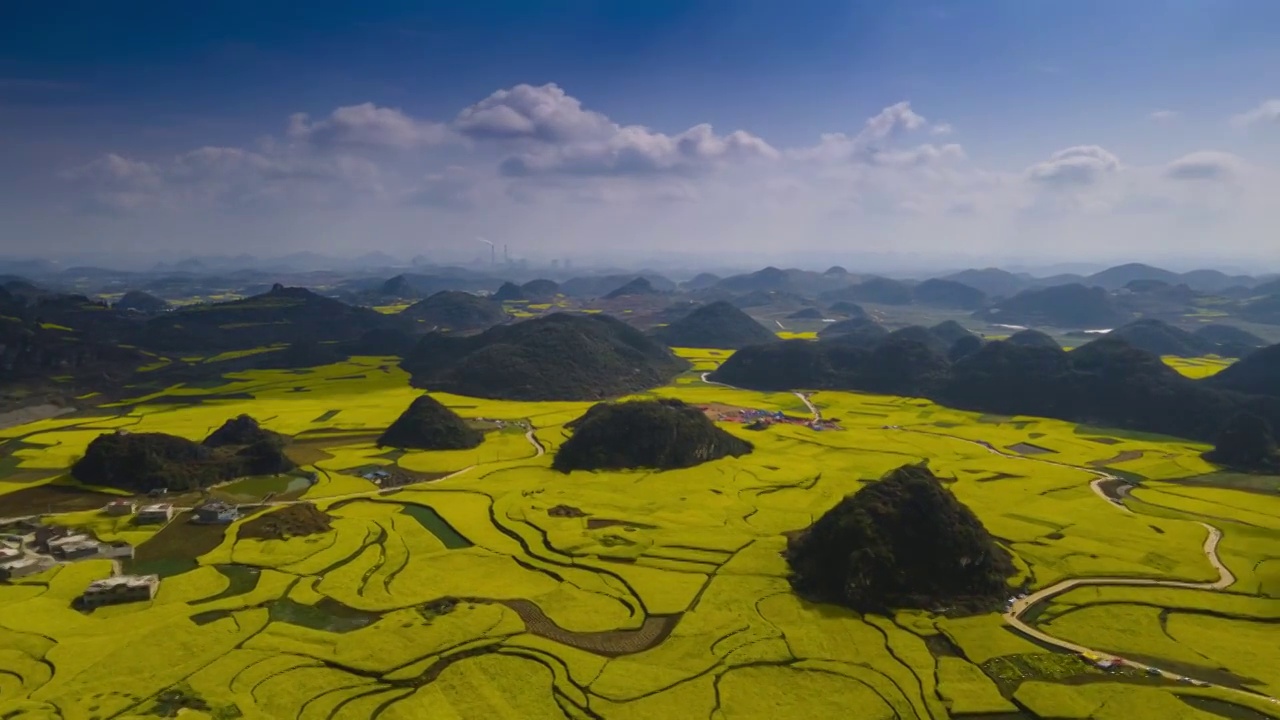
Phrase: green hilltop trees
pixel 903 542
pixel 660 434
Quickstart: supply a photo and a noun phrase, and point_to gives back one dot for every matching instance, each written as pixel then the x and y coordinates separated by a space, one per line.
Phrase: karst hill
pixel 429 425
pixel 902 542
pixel 715 325
pixel 241 430
pixel 280 315
pixel 560 356
pixel 457 311
pixel 142 462
pixel 656 434
pixel 1105 382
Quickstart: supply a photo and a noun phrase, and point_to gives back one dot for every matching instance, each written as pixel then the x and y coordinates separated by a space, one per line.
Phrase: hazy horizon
pixel 931 136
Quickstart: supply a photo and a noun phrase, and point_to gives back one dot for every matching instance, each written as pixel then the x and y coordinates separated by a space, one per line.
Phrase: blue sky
pixel 101 104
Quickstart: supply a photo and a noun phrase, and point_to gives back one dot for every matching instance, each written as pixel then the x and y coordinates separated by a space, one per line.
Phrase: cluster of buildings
pixel 387 479
pixel 153 514
pixel 28 547
pixel 210 513
pixel 761 419
pixel 15 563
pixel 33 548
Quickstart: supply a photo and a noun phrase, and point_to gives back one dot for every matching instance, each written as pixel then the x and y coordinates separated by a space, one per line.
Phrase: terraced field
pixel 498 588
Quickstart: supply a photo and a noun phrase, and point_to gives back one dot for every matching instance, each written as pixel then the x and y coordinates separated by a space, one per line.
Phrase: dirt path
pixel 535 442
pixel 804 398
pixel 705 379
pixel 25 415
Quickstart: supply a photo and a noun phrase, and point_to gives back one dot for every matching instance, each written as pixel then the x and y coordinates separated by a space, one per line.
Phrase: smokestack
pixel 506 254
pixel 493 254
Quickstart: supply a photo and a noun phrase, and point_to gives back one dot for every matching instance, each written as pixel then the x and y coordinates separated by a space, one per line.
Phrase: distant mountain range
pixel 1002 283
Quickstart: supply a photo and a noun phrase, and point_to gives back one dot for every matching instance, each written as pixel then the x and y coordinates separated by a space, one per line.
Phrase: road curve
pixel 535 442
pixel 706 379
pixel 1021 606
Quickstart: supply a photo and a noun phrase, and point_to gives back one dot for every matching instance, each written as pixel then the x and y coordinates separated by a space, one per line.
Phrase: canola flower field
pixel 503 589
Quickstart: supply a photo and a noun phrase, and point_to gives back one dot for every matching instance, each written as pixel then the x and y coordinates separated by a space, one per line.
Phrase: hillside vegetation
pixel 902 542
pixel 715 325
pixel 281 315
pixel 141 302
pixel 457 310
pixel 1064 306
pixel 656 434
pixel 1161 338
pixel 555 357
pixel 1106 382
pixel 428 425
pixel 1258 374
pixel 142 462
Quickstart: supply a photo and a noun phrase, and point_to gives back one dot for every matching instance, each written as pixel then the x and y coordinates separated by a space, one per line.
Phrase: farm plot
pixel 629 594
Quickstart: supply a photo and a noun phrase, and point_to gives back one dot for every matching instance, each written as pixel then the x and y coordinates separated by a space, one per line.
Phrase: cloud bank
pixel 536 166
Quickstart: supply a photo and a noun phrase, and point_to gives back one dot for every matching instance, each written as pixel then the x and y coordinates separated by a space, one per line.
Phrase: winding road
pixel 534 441
pixel 1013 616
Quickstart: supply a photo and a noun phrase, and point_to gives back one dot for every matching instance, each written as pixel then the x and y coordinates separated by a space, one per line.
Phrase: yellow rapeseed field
pixel 495 587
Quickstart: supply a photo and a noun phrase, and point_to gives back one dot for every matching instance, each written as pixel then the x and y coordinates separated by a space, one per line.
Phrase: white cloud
pixel 113 168
pixel 543 113
pixel 536 162
pixel 636 150
pixel 1164 116
pixel 561 137
pixel 1076 166
pixel 875 136
pixel 366 125
pixel 1204 165
pixel 1267 113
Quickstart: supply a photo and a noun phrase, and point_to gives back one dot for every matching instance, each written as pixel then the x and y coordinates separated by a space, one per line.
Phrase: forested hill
pixel 555 357
pixel 659 434
pixel 281 315
pixel 902 542
pixel 715 325
pixel 1106 382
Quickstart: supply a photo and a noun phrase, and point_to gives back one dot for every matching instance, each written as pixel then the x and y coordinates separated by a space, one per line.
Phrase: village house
pixel 21 567
pixel 155 514
pixel 120 508
pixel 76 550
pixel 115 551
pixel 54 545
pixel 44 535
pixel 120 589
pixel 21 531
pixel 216 513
